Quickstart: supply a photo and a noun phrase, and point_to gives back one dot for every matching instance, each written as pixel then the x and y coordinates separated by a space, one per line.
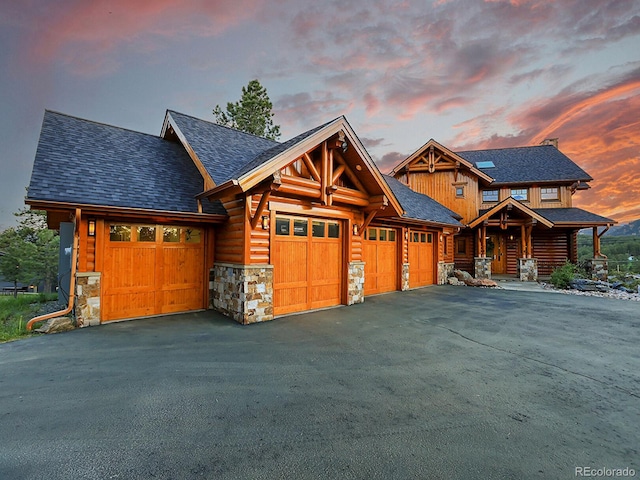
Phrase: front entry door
pixel 496 250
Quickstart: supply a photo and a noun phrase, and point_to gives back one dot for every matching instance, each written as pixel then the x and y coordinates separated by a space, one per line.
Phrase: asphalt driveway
pixel 442 382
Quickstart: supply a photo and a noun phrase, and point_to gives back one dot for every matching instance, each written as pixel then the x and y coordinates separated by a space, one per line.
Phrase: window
pixel 146 234
pixel 383 235
pixel 282 226
pixel 416 237
pixel 334 230
pixel 490 196
pixel 171 234
pixel 317 229
pixel 429 237
pixel 459 192
pixel 392 235
pixel 520 194
pixel 120 233
pixel 300 228
pixel 461 246
pixel 373 234
pixel 192 235
pixel 549 193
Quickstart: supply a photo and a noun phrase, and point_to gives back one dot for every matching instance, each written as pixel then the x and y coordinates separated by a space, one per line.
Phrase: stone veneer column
pixel 528 269
pixel 87 299
pixel 405 277
pixel 482 267
pixel 356 283
pixel 445 270
pixel 242 292
pixel 599 269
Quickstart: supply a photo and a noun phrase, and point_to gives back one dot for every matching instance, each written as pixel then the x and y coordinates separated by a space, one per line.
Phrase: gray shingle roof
pixel 573 215
pixel 223 151
pixel 421 207
pixel 542 163
pixel 80 161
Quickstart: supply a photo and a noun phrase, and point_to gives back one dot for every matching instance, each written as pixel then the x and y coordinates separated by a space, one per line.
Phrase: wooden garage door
pixel 151 270
pixel 307 263
pixel 421 258
pixel 381 261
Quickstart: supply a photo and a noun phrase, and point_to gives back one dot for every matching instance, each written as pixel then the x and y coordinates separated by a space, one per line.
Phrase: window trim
pixel 554 199
pixel 497 192
pixel 515 197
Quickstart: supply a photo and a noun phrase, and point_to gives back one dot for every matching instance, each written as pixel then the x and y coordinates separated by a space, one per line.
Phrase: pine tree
pixel 251 114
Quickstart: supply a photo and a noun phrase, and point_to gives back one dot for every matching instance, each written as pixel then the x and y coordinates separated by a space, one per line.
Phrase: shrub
pixel 562 276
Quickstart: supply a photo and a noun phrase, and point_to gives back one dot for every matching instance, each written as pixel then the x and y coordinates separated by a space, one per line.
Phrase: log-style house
pixel 515 203
pixel 203 216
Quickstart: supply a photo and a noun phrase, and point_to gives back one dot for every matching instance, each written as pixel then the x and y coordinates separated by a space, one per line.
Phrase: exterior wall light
pixel 92 227
pixel 355 229
pixel 265 222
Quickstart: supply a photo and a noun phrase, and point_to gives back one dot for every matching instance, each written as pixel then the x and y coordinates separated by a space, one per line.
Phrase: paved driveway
pixel 442 382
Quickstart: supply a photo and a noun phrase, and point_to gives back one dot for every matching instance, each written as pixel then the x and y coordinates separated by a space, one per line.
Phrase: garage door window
pixel 146 234
pixel 192 235
pixel 120 233
pixel 300 228
pixel 282 226
pixel 419 237
pixel 171 234
pixel 334 230
pixel 318 228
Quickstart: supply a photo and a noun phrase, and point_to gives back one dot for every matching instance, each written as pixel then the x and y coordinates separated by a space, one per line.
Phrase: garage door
pixel 381 261
pixel 307 263
pixel 421 258
pixel 151 270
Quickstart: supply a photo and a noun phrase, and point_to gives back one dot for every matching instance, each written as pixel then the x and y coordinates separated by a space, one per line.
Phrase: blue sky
pixel 470 74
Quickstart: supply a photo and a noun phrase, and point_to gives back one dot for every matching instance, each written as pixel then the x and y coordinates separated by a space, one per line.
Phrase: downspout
pixel 72 287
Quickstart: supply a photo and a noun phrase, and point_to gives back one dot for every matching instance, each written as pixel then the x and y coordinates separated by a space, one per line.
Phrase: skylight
pixel 487 164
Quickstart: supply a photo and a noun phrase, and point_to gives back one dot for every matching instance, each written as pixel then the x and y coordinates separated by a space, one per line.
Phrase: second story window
pixel 460 192
pixel 489 196
pixel 520 194
pixel 549 193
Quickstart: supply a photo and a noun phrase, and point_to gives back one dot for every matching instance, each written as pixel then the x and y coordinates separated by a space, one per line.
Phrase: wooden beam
pixel 329 176
pixel 349 173
pixel 312 168
pixel 337 172
pixel 367 220
pixel 260 209
pixel 324 181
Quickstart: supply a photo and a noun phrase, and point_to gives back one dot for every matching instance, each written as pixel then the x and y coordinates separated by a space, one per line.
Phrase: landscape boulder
pixel 56 325
pixel 480 282
pixel 462 275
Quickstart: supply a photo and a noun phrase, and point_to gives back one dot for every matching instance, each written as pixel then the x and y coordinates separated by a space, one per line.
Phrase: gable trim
pixel 432 143
pixel 516 204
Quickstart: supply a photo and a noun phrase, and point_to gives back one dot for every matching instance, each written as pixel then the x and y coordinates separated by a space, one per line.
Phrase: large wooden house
pixel 515 203
pixel 203 216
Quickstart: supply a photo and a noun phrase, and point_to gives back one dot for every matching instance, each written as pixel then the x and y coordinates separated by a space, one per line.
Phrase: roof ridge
pixel 103 124
pixel 223 126
pixel 503 148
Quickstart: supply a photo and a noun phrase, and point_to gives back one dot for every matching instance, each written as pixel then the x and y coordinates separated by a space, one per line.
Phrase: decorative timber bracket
pixel 274 185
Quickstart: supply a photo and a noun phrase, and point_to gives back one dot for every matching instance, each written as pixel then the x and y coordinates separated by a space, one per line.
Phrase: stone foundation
pixel 242 292
pixel 356 283
pixel 599 269
pixel 87 299
pixel 445 270
pixel 528 269
pixel 482 267
pixel 405 277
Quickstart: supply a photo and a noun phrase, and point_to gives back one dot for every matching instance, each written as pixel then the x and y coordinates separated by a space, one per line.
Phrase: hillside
pixel 631 228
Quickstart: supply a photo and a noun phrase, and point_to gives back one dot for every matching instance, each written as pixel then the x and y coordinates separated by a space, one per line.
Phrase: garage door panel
pixel 159 272
pixel 307 259
pixel 421 259
pixel 381 261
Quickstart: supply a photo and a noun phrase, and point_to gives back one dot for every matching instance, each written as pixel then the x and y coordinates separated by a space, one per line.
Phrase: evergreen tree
pixel 251 114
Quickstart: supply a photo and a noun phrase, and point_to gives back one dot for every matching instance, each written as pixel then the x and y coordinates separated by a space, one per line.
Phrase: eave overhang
pixel 129 212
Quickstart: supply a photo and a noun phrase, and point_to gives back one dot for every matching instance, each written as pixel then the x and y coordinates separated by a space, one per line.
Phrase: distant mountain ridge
pixel 631 228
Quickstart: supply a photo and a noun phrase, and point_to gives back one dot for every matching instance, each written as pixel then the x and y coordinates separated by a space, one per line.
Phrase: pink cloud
pixel 87 34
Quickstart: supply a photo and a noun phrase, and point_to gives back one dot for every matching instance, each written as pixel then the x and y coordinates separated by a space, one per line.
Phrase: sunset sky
pixel 470 74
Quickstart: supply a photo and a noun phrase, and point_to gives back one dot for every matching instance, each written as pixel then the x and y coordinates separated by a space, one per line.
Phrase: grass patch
pixel 15 312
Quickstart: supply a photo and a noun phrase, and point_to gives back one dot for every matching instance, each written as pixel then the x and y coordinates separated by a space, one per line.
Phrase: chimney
pixel 550 141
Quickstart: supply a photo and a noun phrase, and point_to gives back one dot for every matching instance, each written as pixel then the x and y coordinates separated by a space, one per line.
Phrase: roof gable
pixel 84 162
pixel 219 152
pixel 511 203
pixel 541 163
pixel 433 156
